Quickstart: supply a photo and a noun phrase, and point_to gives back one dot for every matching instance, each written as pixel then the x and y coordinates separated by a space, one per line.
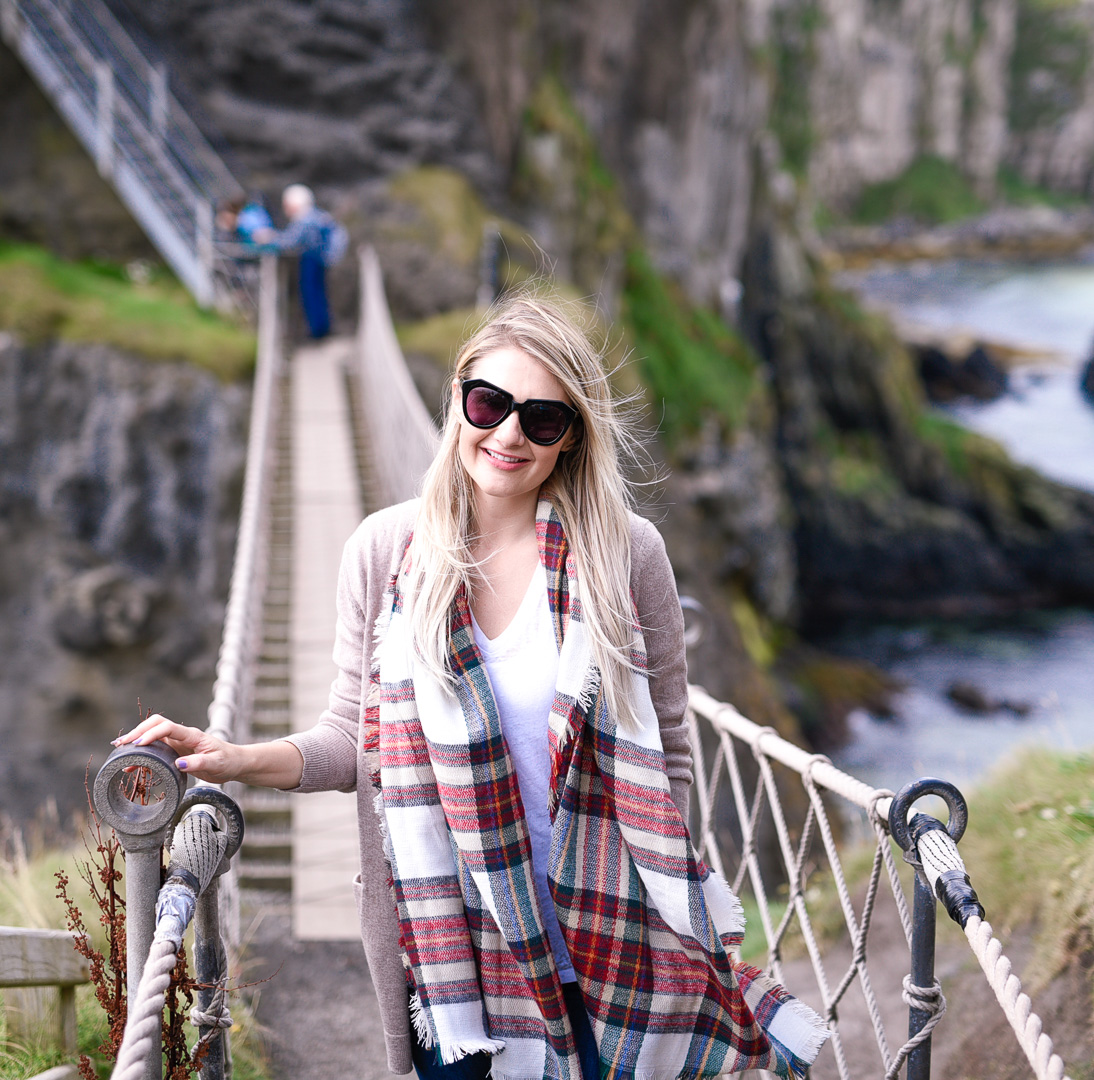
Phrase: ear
pixel 456 405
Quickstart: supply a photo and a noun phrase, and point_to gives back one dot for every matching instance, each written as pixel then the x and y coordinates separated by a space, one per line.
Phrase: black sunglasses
pixel 544 422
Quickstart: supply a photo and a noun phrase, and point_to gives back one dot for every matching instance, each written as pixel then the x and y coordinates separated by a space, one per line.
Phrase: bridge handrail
pixel 402 436
pixel 926 1003
pixel 248 579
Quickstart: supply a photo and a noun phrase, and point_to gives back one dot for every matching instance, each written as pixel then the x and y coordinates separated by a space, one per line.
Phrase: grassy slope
pixel 43 297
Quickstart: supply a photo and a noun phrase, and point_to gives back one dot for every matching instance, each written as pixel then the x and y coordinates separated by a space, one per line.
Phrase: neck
pixel 500 523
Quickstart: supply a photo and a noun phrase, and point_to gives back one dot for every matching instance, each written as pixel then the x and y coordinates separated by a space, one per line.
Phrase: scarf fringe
pixel 808 1033
pixel 453 1051
pixel 417 1018
pixel 460 1050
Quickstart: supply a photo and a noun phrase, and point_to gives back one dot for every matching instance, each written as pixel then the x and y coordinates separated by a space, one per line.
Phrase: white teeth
pixel 503 457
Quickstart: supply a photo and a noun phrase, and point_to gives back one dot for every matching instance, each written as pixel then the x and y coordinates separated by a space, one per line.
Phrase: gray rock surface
pixel 119 487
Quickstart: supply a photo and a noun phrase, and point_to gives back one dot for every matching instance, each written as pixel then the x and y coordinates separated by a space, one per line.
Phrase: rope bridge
pixel 761 804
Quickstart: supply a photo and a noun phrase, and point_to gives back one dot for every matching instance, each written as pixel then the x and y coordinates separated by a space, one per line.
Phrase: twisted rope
pixel 928 999
pixel 1016 1006
pixel 143 1026
pixel 215 1019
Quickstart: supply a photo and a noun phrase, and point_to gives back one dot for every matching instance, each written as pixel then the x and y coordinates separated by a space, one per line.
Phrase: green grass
pixel 931 191
pixel 1018 192
pixel 694 365
pixel 19 1059
pixel 439 336
pixel 1029 851
pixel 44 298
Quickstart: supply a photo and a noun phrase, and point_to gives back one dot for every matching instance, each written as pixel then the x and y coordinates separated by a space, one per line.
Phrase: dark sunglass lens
pixel 485 406
pixel 543 423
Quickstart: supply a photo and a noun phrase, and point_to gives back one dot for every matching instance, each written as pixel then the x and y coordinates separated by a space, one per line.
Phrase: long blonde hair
pixel 587 487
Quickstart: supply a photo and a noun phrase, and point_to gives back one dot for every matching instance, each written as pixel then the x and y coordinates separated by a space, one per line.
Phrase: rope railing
pixel 204 826
pixel 732 752
pixel 401 435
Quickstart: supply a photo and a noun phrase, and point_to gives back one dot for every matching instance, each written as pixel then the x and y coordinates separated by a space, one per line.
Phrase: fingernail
pixel 115 742
pixel 182 764
pixel 139 742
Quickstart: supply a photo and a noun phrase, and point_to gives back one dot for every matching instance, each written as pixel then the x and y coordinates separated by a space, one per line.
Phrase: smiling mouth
pixel 505 459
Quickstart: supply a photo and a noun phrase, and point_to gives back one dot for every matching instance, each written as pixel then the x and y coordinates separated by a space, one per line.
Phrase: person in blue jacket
pixel 319 241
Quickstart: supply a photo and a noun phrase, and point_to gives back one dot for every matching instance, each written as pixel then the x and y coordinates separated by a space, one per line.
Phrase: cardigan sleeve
pixel 654 586
pixel 329 749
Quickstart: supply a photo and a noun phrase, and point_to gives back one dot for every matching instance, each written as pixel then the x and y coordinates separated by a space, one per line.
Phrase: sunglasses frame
pixel 467 385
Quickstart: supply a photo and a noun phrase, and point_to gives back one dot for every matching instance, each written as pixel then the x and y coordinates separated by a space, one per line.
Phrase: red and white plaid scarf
pixel 648 926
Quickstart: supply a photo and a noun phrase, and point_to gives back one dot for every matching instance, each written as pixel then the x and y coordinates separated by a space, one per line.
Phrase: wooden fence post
pixel 31 960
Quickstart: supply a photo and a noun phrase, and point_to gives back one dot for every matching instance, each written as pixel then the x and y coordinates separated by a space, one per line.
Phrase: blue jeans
pixel 477 1066
pixel 313 293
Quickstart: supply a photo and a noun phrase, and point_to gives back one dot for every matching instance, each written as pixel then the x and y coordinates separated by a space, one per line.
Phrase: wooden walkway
pixel 326 510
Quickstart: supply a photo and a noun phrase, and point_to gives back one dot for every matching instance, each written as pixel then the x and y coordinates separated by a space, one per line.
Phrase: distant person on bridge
pixel 319 241
pixel 510 708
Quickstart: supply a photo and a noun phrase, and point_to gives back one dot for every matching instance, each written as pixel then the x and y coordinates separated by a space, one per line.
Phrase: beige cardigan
pixel 333 758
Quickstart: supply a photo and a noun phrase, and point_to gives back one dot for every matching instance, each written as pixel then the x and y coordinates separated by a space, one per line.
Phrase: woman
pixel 510 709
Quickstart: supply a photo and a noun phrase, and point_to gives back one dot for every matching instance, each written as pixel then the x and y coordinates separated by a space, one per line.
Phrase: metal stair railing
pixel 119 105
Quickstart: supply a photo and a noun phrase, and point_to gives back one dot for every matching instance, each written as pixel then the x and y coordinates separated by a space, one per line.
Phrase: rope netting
pixel 772 836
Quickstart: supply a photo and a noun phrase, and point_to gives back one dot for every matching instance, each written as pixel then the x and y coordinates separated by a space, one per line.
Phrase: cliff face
pixel 981 83
pixel 119 487
pixel 661 154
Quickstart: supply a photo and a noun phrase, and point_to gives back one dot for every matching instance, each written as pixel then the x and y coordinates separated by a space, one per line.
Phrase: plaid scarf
pixel 648 926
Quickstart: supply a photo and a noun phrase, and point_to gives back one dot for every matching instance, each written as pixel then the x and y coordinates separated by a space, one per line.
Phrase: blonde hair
pixel 587 487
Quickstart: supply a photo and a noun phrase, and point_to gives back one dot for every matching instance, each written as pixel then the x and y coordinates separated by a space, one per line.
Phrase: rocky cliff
pixel 662 157
pixel 119 489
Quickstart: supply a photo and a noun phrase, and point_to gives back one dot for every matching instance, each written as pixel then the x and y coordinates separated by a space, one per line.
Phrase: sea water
pixel 1043 662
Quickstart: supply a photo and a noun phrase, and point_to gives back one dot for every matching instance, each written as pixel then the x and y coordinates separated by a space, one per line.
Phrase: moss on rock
pixel 44 298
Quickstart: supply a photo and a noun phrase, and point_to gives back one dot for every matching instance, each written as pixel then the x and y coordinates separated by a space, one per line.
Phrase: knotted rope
pixel 928 999
pixel 142 1028
pixel 196 851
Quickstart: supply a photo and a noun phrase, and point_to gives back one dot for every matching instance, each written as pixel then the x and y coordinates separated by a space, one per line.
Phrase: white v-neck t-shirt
pixel 522 663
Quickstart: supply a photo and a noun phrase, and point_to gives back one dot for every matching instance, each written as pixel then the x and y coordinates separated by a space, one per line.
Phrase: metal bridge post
pixel 137 793
pixel 104 119
pixel 923 941
pixel 923 838
pixel 210 972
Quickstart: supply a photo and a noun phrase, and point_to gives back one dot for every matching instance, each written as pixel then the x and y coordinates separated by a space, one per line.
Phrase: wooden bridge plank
pixel 326 509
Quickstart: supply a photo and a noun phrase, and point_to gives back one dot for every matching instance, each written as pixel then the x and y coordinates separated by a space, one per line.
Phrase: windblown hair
pixel 587 487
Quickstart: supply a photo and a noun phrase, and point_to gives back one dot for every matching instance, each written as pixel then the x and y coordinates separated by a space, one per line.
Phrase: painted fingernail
pixel 139 742
pixel 115 742
pixel 184 765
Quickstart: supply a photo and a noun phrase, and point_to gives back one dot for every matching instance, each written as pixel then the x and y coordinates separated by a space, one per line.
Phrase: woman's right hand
pixel 200 754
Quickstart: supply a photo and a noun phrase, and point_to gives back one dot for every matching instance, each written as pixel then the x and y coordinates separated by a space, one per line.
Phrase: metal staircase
pixel 119 104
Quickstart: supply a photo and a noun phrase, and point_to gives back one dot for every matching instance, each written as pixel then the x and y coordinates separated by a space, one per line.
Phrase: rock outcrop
pixel 119 488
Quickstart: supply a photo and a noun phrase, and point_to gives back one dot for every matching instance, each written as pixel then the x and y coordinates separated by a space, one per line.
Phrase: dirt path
pixel 318 1008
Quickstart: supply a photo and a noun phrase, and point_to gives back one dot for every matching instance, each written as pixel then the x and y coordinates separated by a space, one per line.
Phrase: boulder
pixel 1086 380
pixel 103 608
pixel 982 377
pixel 979 375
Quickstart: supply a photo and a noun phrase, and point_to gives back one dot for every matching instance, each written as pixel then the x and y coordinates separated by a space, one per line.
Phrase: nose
pixel 509 432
